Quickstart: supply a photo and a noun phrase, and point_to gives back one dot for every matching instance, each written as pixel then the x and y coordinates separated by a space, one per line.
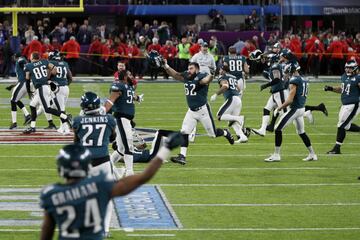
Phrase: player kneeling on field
pixel 78 207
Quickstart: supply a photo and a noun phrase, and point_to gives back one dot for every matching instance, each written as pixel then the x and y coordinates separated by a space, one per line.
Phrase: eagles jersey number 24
pixel 92 218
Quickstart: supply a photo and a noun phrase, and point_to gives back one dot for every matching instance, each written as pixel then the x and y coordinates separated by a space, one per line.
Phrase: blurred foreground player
pixel 79 205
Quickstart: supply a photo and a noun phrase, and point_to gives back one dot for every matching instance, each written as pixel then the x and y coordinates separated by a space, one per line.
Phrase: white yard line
pixel 208 155
pixel 207 169
pixel 212 229
pixel 261 204
pixel 24 187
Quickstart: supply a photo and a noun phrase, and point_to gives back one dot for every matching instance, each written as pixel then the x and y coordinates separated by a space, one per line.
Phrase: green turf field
pixel 224 192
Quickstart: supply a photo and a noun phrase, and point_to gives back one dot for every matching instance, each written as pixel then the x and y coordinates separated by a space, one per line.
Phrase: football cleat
pixel 29 130
pixel 51 126
pixel 69 119
pixel 273 158
pixel 270 128
pixel 13 126
pixel 311 157
pixel 27 119
pixel 247 131
pixel 335 150
pixel 179 159
pixel 129 172
pixel 258 132
pixel 241 140
pixel 308 114
pixel 323 109
pixel 228 136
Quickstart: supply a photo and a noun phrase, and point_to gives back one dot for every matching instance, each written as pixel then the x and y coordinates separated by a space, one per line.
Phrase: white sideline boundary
pixel 211 229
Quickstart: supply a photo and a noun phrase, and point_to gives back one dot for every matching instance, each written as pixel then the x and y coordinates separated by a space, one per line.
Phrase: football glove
pixel 328 88
pixel 276 112
pixel 213 97
pixel 54 86
pixel 173 140
pixel 140 98
pixel 10 87
pixel 102 110
pixel 263 86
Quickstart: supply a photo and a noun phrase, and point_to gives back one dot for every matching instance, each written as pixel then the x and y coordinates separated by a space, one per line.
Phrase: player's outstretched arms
pixel 169 70
pixel 130 183
pixel 332 89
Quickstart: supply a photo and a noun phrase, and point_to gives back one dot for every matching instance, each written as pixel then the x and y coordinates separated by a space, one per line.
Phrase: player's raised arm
pixel 176 75
pixel 206 80
pixel 114 95
pixel 130 183
pixel 332 89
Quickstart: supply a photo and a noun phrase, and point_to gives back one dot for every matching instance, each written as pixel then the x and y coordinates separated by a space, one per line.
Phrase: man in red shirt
pixel 122 72
pixel 336 49
pixel 72 50
pixel 194 49
pixel 94 52
pixel 34 46
pixel 168 51
pixel 154 46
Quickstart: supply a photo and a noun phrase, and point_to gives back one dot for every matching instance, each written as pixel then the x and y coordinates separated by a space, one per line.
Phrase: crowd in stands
pixel 33 3
pixel 102 47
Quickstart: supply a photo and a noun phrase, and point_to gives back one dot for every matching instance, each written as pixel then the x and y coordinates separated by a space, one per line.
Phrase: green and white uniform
pixel 350 97
pixel 199 110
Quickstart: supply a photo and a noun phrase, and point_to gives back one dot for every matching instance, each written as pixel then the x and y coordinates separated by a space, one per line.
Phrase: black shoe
pixel 51 126
pixel 270 128
pixel 69 119
pixel 247 131
pixel 179 159
pixel 10 87
pixel 27 120
pixel 228 136
pixel 323 109
pixel 13 126
pixel 29 130
pixel 335 150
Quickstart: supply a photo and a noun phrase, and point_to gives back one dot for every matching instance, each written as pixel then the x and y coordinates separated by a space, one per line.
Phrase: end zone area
pixel 224 192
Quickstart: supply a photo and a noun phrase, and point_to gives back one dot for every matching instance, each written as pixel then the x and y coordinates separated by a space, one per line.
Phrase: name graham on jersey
pixel 95 119
pixel 74 194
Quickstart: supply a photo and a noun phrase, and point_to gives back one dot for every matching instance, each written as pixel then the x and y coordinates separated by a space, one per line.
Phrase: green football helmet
pixel 73 161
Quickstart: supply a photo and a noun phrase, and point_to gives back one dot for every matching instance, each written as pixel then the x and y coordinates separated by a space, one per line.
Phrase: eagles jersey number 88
pixel 235 65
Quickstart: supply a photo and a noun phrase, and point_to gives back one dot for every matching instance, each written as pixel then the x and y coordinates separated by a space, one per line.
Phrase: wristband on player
pixel 163 153
pixel 109 101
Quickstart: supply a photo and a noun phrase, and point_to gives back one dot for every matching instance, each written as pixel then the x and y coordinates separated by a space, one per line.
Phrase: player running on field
pixel 196 89
pixel 350 97
pixel 296 102
pixel 18 92
pixel 230 110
